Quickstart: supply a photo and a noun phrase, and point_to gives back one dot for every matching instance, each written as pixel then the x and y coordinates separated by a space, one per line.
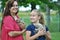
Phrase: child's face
pixel 34 17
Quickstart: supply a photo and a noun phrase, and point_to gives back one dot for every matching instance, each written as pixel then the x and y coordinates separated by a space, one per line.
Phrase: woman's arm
pixel 28 33
pixel 16 33
pixel 48 36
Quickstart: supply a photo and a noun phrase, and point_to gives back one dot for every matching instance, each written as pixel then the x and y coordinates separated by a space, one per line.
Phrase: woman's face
pixel 34 17
pixel 14 8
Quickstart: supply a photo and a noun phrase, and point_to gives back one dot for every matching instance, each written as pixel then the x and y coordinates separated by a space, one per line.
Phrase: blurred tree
pixel 3 4
pixel 33 3
pixel 58 3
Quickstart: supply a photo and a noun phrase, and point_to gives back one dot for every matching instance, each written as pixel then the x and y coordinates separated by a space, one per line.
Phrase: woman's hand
pixel 23 30
pixel 21 23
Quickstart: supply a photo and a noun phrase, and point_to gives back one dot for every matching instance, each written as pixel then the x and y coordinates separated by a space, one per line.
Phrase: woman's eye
pixel 15 5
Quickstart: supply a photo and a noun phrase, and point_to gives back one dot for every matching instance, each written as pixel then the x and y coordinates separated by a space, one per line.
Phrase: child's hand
pixel 41 32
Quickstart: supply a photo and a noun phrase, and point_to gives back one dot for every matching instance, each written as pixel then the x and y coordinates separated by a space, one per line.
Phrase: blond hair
pixel 41 20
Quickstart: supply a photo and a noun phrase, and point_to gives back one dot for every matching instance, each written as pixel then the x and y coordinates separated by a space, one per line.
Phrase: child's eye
pixel 33 15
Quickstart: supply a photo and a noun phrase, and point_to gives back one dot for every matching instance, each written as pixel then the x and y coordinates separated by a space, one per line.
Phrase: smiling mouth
pixel 15 9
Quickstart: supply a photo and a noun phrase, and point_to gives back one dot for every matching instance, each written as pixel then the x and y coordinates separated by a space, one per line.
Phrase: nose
pixel 16 6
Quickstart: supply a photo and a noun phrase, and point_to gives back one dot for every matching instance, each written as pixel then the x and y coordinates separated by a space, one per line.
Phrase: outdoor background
pixel 49 8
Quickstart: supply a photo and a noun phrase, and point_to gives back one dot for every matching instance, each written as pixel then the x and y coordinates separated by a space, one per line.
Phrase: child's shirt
pixel 32 29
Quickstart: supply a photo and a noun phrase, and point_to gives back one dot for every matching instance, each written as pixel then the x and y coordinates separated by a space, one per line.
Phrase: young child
pixel 37 29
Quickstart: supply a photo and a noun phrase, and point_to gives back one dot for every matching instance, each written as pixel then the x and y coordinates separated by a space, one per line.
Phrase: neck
pixel 13 14
pixel 36 22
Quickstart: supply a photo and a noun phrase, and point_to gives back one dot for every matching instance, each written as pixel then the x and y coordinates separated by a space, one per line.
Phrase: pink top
pixel 10 25
pixel 0 34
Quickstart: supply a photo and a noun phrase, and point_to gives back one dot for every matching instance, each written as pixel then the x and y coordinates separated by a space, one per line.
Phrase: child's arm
pixel 28 33
pixel 48 36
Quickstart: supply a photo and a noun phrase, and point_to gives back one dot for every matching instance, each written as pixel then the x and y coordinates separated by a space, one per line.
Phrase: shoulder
pixel 8 18
pixel 29 27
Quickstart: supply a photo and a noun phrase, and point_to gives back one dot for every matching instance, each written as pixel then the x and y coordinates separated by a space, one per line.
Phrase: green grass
pixel 25 17
pixel 55 35
pixel 54 23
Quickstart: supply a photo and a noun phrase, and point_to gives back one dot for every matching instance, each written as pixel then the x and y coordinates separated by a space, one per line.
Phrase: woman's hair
pixel 9 4
pixel 6 12
pixel 41 20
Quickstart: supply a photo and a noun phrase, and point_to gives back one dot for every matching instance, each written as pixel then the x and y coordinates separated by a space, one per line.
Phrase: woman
pixel 12 28
pixel 37 29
